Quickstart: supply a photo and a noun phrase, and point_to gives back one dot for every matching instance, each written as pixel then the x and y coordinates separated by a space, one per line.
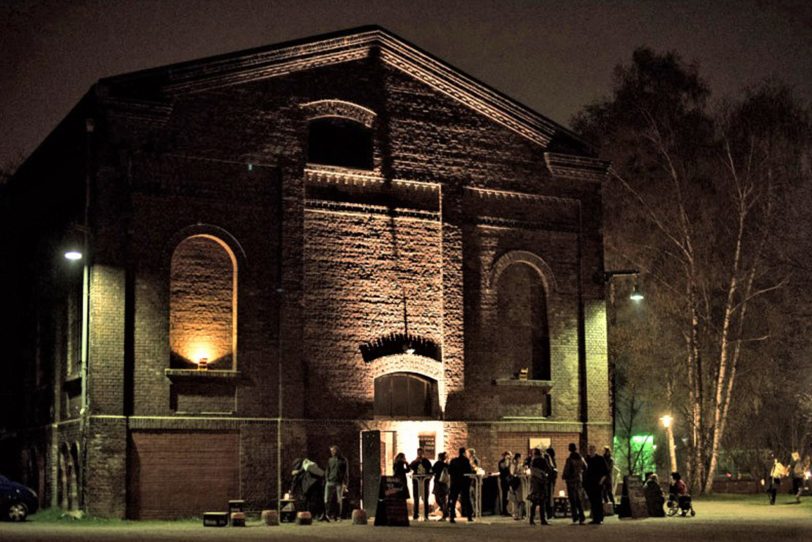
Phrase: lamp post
pixel 605 277
pixel 672 452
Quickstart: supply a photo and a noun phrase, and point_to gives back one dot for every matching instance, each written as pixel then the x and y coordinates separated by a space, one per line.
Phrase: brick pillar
pixel 104 441
pixel 453 309
pixel 599 416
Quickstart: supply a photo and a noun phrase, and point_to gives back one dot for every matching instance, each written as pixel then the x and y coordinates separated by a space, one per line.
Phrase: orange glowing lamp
pixel 203 364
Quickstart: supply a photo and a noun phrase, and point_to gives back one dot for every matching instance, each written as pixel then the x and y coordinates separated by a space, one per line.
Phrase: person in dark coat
pixel 551 482
pixel 441 483
pixel 608 490
pixel 594 480
pixel 336 478
pixel 504 481
pixel 654 497
pixel 420 465
pixel 460 486
pixel 400 468
pixel 540 471
pixel 306 486
pixel 573 475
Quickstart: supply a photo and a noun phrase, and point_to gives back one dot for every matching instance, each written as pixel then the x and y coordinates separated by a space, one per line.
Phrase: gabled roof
pixel 327 49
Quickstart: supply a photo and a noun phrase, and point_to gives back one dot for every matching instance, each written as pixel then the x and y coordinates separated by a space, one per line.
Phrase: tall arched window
pixel 406 395
pixel 203 303
pixel 522 334
pixel 338 141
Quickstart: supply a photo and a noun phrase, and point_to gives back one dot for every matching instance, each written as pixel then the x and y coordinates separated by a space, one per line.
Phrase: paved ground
pixel 738 519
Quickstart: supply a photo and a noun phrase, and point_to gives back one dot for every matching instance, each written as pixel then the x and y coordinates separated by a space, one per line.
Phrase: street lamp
pixel 605 277
pixel 672 452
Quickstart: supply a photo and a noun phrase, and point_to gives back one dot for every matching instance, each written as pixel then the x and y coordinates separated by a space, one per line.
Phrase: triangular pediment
pixel 350 45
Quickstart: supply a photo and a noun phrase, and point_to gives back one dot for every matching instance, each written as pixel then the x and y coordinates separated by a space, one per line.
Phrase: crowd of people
pixel 526 485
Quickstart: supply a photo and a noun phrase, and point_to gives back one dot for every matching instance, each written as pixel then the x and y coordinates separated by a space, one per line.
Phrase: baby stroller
pixel 679 505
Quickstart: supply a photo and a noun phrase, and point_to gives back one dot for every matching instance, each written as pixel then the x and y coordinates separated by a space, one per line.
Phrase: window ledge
pixel 195 373
pixel 544 385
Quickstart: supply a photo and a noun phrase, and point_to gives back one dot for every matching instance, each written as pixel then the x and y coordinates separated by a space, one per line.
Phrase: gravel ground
pixel 736 519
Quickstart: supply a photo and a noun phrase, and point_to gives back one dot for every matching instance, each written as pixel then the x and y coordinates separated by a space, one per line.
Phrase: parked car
pixel 16 500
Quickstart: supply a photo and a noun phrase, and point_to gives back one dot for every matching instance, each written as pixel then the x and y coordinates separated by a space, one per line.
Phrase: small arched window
pixel 203 303
pixel 335 141
pixel 523 333
pixel 406 395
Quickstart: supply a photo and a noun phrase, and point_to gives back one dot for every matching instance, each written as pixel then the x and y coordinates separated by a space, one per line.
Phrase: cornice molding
pixel 577 167
pixel 495 194
pixel 257 65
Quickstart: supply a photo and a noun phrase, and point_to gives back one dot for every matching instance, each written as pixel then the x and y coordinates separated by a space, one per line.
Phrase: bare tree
pixel 700 195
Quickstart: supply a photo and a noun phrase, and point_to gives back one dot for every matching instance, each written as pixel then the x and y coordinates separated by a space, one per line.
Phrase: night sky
pixel 552 56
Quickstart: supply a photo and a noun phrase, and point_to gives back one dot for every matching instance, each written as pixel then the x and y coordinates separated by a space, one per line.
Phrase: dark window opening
pixel 523 336
pixel 406 395
pixel 339 142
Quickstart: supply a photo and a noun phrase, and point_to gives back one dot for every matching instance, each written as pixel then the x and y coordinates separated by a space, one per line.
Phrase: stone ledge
pixel 544 385
pixel 196 373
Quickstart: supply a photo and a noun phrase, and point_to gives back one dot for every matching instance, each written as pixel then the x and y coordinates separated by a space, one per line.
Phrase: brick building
pixel 360 243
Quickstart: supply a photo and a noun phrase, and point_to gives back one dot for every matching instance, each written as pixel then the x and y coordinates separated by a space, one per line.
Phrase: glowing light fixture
pixel 408 348
pixel 203 364
pixel 672 449
pixel 73 255
pixel 637 295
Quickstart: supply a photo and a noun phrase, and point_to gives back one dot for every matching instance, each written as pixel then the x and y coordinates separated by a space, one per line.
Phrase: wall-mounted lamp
pixel 605 277
pixel 73 255
pixel 203 364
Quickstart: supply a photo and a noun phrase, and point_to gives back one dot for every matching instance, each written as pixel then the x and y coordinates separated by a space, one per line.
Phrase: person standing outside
pixel 441 482
pixel 504 480
pixel 474 460
pixel 540 470
pixel 400 468
pixel 420 465
pixel 551 480
pixel 517 473
pixel 336 481
pixel 796 470
pixel 608 488
pixel 460 486
pixel 777 471
pixel 594 480
pixel 573 475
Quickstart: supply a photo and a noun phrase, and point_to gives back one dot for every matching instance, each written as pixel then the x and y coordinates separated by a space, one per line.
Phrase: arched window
pixel 522 334
pixel 203 303
pixel 406 395
pixel 336 141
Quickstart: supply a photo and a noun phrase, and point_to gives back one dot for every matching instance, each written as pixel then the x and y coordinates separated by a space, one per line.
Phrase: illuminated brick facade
pixel 304 285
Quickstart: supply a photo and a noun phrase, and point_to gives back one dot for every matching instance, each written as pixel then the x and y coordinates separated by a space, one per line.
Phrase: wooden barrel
pixel 238 519
pixel 270 517
pixel 359 516
pixel 304 518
